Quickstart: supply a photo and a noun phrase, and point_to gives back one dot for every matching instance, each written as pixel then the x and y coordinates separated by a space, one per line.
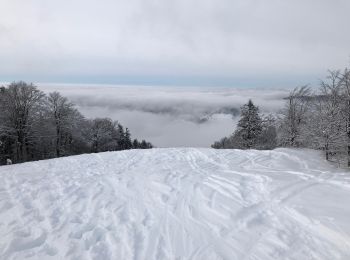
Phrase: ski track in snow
pixel 176 203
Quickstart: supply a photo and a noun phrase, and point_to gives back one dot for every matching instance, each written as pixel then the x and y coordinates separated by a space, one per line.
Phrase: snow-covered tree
pixel 249 127
pixel 345 85
pixel 63 115
pixel 325 126
pixel 267 140
pixel 127 139
pixel 294 117
pixel 121 137
pixel 145 145
pixel 35 126
pixel 224 143
pixel 104 135
pixel 252 132
pixel 135 144
pixel 141 145
pixel 20 105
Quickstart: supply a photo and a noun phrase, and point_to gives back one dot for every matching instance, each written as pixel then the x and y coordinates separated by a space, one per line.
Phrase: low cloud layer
pixel 170 116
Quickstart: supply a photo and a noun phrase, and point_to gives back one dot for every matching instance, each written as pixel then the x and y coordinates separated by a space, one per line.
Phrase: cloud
pixel 107 40
pixel 170 116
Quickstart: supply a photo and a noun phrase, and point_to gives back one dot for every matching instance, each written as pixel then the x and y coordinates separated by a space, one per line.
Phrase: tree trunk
pixel 58 142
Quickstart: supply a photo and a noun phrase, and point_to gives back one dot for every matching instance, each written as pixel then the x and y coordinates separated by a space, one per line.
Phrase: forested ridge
pixel 35 126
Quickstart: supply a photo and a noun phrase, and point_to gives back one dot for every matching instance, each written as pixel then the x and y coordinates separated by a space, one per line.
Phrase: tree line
pixel 311 118
pixel 35 126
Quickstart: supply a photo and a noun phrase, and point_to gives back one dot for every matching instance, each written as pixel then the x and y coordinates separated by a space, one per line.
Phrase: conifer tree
pixel 121 139
pixel 135 144
pixel 127 139
pixel 249 127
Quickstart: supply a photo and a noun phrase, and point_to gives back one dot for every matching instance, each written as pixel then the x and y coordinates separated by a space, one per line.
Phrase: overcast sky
pixel 195 42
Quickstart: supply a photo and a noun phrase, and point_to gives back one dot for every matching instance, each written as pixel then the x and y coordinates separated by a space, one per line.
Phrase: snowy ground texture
pixel 176 204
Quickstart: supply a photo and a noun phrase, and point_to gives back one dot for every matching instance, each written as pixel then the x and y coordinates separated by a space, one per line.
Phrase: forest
pixel 316 118
pixel 35 126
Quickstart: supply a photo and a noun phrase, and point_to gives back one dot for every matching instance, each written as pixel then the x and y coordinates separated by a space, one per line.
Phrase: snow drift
pixel 179 203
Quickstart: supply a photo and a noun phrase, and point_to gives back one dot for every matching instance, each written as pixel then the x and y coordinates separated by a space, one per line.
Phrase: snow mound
pixel 179 203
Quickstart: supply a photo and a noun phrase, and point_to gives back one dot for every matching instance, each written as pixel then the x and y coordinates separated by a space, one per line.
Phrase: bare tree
pixel 6 132
pixel 294 117
pixel 268 138
pixel 20 105
pixel 325 124
pixel 62 113
pixel 35 126
pixel 103 135
pixel 345 83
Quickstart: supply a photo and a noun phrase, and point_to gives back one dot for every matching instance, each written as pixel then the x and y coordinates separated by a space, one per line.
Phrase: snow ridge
pixel 176 203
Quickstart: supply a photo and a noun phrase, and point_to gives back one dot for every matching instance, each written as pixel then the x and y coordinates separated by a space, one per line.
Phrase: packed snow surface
pixel 178 203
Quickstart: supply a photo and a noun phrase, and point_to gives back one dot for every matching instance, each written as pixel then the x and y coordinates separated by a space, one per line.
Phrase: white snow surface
pixel 176 203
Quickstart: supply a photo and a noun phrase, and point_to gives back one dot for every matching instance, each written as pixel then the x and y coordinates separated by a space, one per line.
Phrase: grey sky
pixel 220 42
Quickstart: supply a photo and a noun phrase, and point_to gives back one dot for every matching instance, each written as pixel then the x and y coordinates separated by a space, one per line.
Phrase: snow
pixel 176 203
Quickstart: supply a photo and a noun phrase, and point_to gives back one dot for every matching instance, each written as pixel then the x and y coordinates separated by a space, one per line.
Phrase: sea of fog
pixel 170 116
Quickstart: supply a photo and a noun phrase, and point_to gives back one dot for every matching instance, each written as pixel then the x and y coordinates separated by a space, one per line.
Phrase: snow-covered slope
pixel 176 204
